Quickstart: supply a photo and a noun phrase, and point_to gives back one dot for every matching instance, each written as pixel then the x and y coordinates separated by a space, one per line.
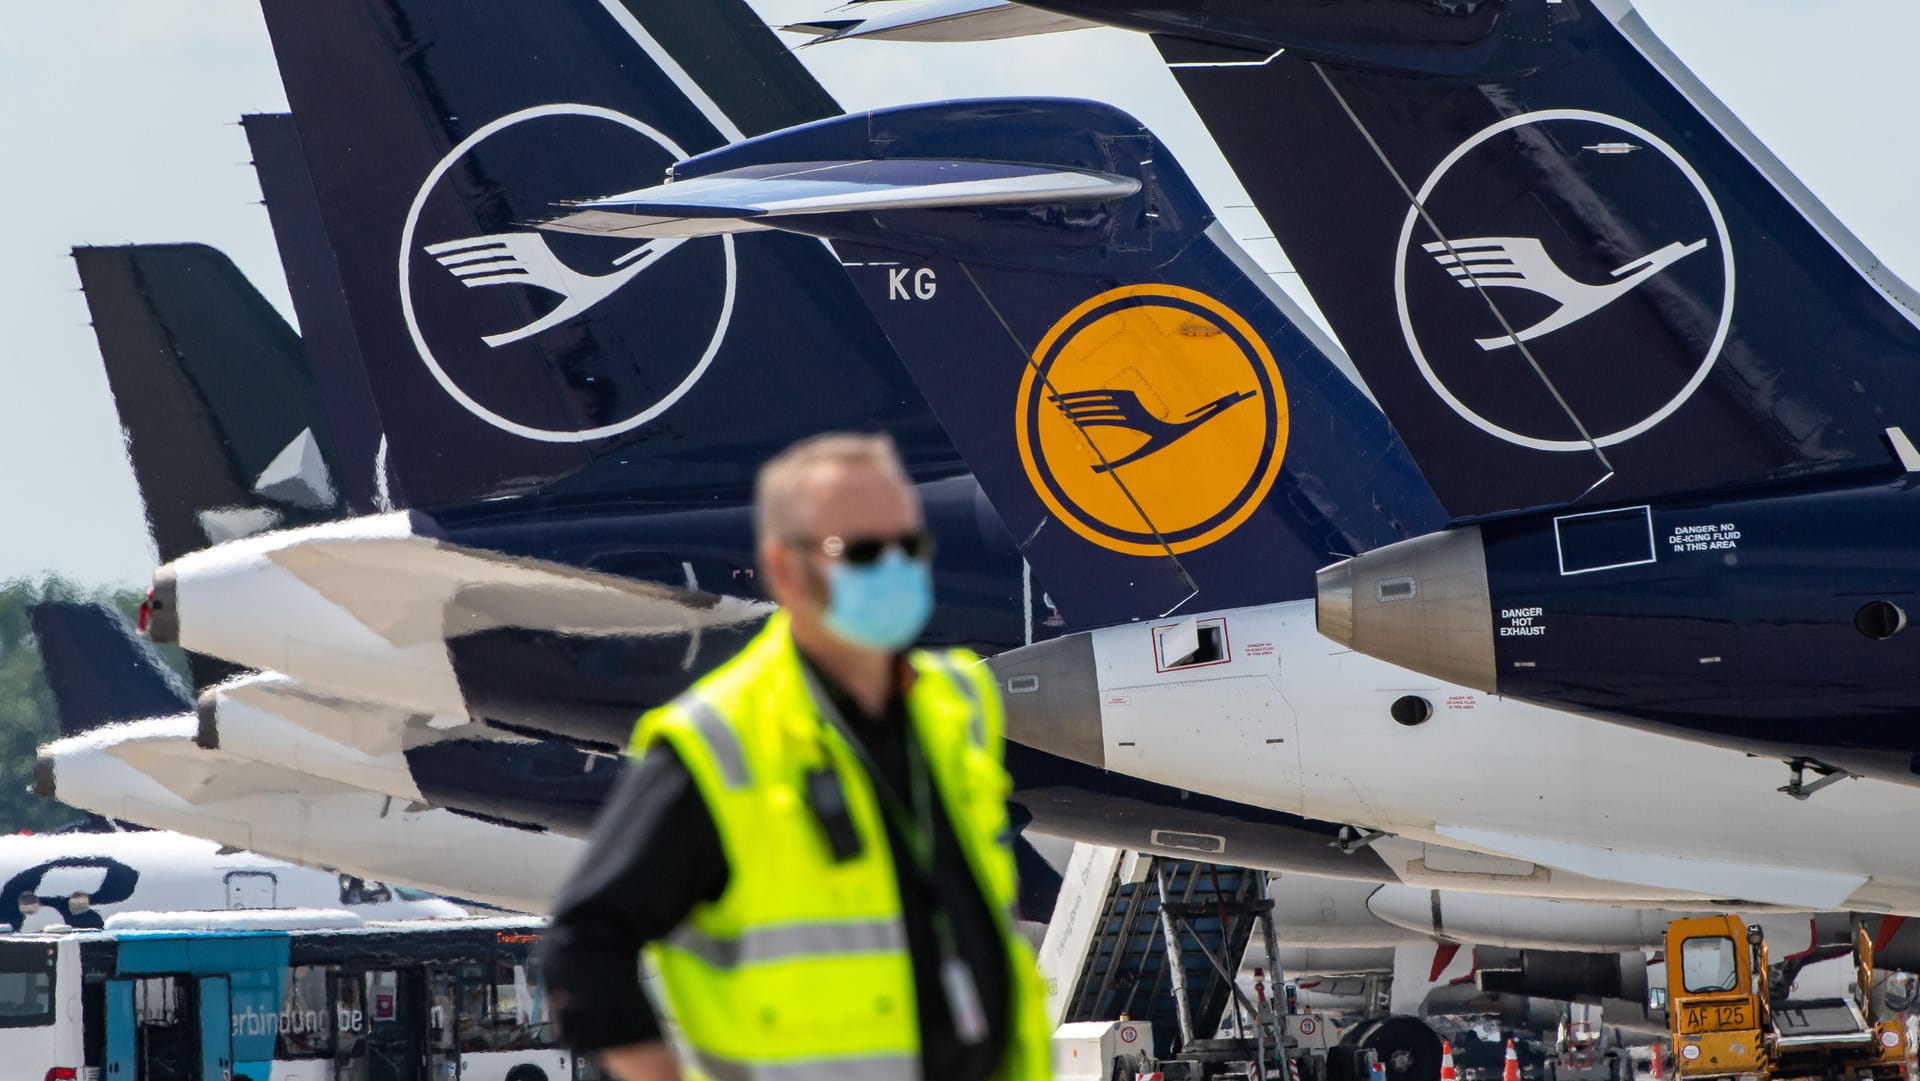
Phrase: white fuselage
pixel 159 871
pixel 1292 721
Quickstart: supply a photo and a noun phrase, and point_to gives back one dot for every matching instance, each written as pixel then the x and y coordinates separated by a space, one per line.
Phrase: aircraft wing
pixel 1790 887
pixel 739 199
pixel 940 21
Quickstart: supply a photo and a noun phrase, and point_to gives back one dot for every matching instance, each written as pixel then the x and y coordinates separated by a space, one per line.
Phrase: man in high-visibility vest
pixel 811 843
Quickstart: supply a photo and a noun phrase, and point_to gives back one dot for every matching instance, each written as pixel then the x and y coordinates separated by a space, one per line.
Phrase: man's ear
pixel 787 576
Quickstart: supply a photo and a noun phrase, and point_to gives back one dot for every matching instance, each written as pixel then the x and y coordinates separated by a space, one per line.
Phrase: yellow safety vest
pixel 799 971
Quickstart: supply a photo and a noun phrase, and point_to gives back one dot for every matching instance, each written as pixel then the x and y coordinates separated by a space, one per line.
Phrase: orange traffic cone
pixel 1447 1072
pixel 1511 1072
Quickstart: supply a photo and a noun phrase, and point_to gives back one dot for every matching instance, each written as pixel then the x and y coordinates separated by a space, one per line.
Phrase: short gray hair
pixel 778 488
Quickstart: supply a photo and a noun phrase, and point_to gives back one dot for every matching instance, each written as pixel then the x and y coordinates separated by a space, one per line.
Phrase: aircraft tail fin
pixel 505 361
pixel 1158 426
pixel 99 670
pixel 320 304
pixel 1565 269
pixel 214 392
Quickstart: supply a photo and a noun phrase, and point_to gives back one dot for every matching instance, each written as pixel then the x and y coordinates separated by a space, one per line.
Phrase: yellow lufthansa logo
pixel 1152 413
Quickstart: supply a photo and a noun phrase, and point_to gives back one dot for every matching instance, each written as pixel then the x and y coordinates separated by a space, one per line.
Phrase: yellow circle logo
pixel 1152 414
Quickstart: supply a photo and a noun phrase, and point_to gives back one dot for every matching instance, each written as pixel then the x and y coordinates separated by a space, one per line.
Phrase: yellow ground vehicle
pixel 1729 1022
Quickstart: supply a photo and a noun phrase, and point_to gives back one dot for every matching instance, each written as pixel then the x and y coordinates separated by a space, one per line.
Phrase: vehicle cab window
pixel 1708 964
pixel 359 891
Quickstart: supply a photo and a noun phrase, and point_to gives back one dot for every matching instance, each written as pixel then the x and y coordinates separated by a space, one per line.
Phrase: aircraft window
pixel 1708 964
pixel 1411 709
pixel 1880 620
pixel 1208 646
pixel 1604 540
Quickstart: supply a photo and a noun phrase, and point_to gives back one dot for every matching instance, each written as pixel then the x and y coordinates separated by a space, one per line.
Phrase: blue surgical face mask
pixel 884 604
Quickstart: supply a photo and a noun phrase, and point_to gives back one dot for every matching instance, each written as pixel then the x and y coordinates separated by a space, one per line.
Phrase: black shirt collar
pixel 850 711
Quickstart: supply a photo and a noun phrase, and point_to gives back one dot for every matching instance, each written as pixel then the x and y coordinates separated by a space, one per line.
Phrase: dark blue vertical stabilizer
pixel 1157 425
pixel 100 672
pixel 320 304
pixel 505 361
pixel 213 390
pixel 220 410
pixel 1562 266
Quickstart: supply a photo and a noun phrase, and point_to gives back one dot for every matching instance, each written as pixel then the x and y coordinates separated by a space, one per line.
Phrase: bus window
pixel 443 1012
pixel 166 1029
pixel 473 1009
pixel 306 1014
pixel 350 1020
pixel 533 1020
pixel 504 1008
pixel 26 984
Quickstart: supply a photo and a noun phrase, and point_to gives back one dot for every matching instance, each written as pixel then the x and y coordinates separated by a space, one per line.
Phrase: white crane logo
pixel 1522 262
pixel 1495 264
pixel 525 258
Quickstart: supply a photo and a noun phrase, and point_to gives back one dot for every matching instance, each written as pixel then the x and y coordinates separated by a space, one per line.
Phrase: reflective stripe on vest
pixel 870 1068
pixel 720 738
pixel 784 943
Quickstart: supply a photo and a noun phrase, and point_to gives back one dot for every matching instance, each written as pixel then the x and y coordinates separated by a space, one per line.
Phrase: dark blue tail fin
pixel 320 304
pixel 100 672
pixel 1558 261
pixel 505 361
pixel 1155 423
pixel 214 392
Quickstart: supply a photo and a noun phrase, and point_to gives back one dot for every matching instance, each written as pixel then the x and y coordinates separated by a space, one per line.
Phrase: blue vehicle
pixel 218 996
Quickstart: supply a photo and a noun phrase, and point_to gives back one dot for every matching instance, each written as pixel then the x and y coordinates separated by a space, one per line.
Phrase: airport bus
pixel 278 996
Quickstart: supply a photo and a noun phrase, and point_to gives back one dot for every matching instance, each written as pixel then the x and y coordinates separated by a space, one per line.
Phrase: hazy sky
pixel 118 124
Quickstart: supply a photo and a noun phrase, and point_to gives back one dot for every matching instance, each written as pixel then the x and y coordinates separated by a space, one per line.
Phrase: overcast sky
pixel 118 124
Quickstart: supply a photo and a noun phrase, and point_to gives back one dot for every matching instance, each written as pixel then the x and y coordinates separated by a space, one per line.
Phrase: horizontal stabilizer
pixel 1787 886
pixel 408 586
pixel 736 200
pixel 163 748
pixel 370 728
pixel 151 773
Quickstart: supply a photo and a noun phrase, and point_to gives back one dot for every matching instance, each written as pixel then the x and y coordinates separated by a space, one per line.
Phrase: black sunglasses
pixel 860 551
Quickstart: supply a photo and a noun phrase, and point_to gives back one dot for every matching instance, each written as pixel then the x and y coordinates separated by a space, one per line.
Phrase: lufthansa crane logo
pixel 562 339
pixel 1564 261
pixel 1152 418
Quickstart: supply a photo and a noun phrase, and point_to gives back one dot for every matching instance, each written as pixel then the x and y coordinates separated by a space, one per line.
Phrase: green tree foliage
pixel 27 716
